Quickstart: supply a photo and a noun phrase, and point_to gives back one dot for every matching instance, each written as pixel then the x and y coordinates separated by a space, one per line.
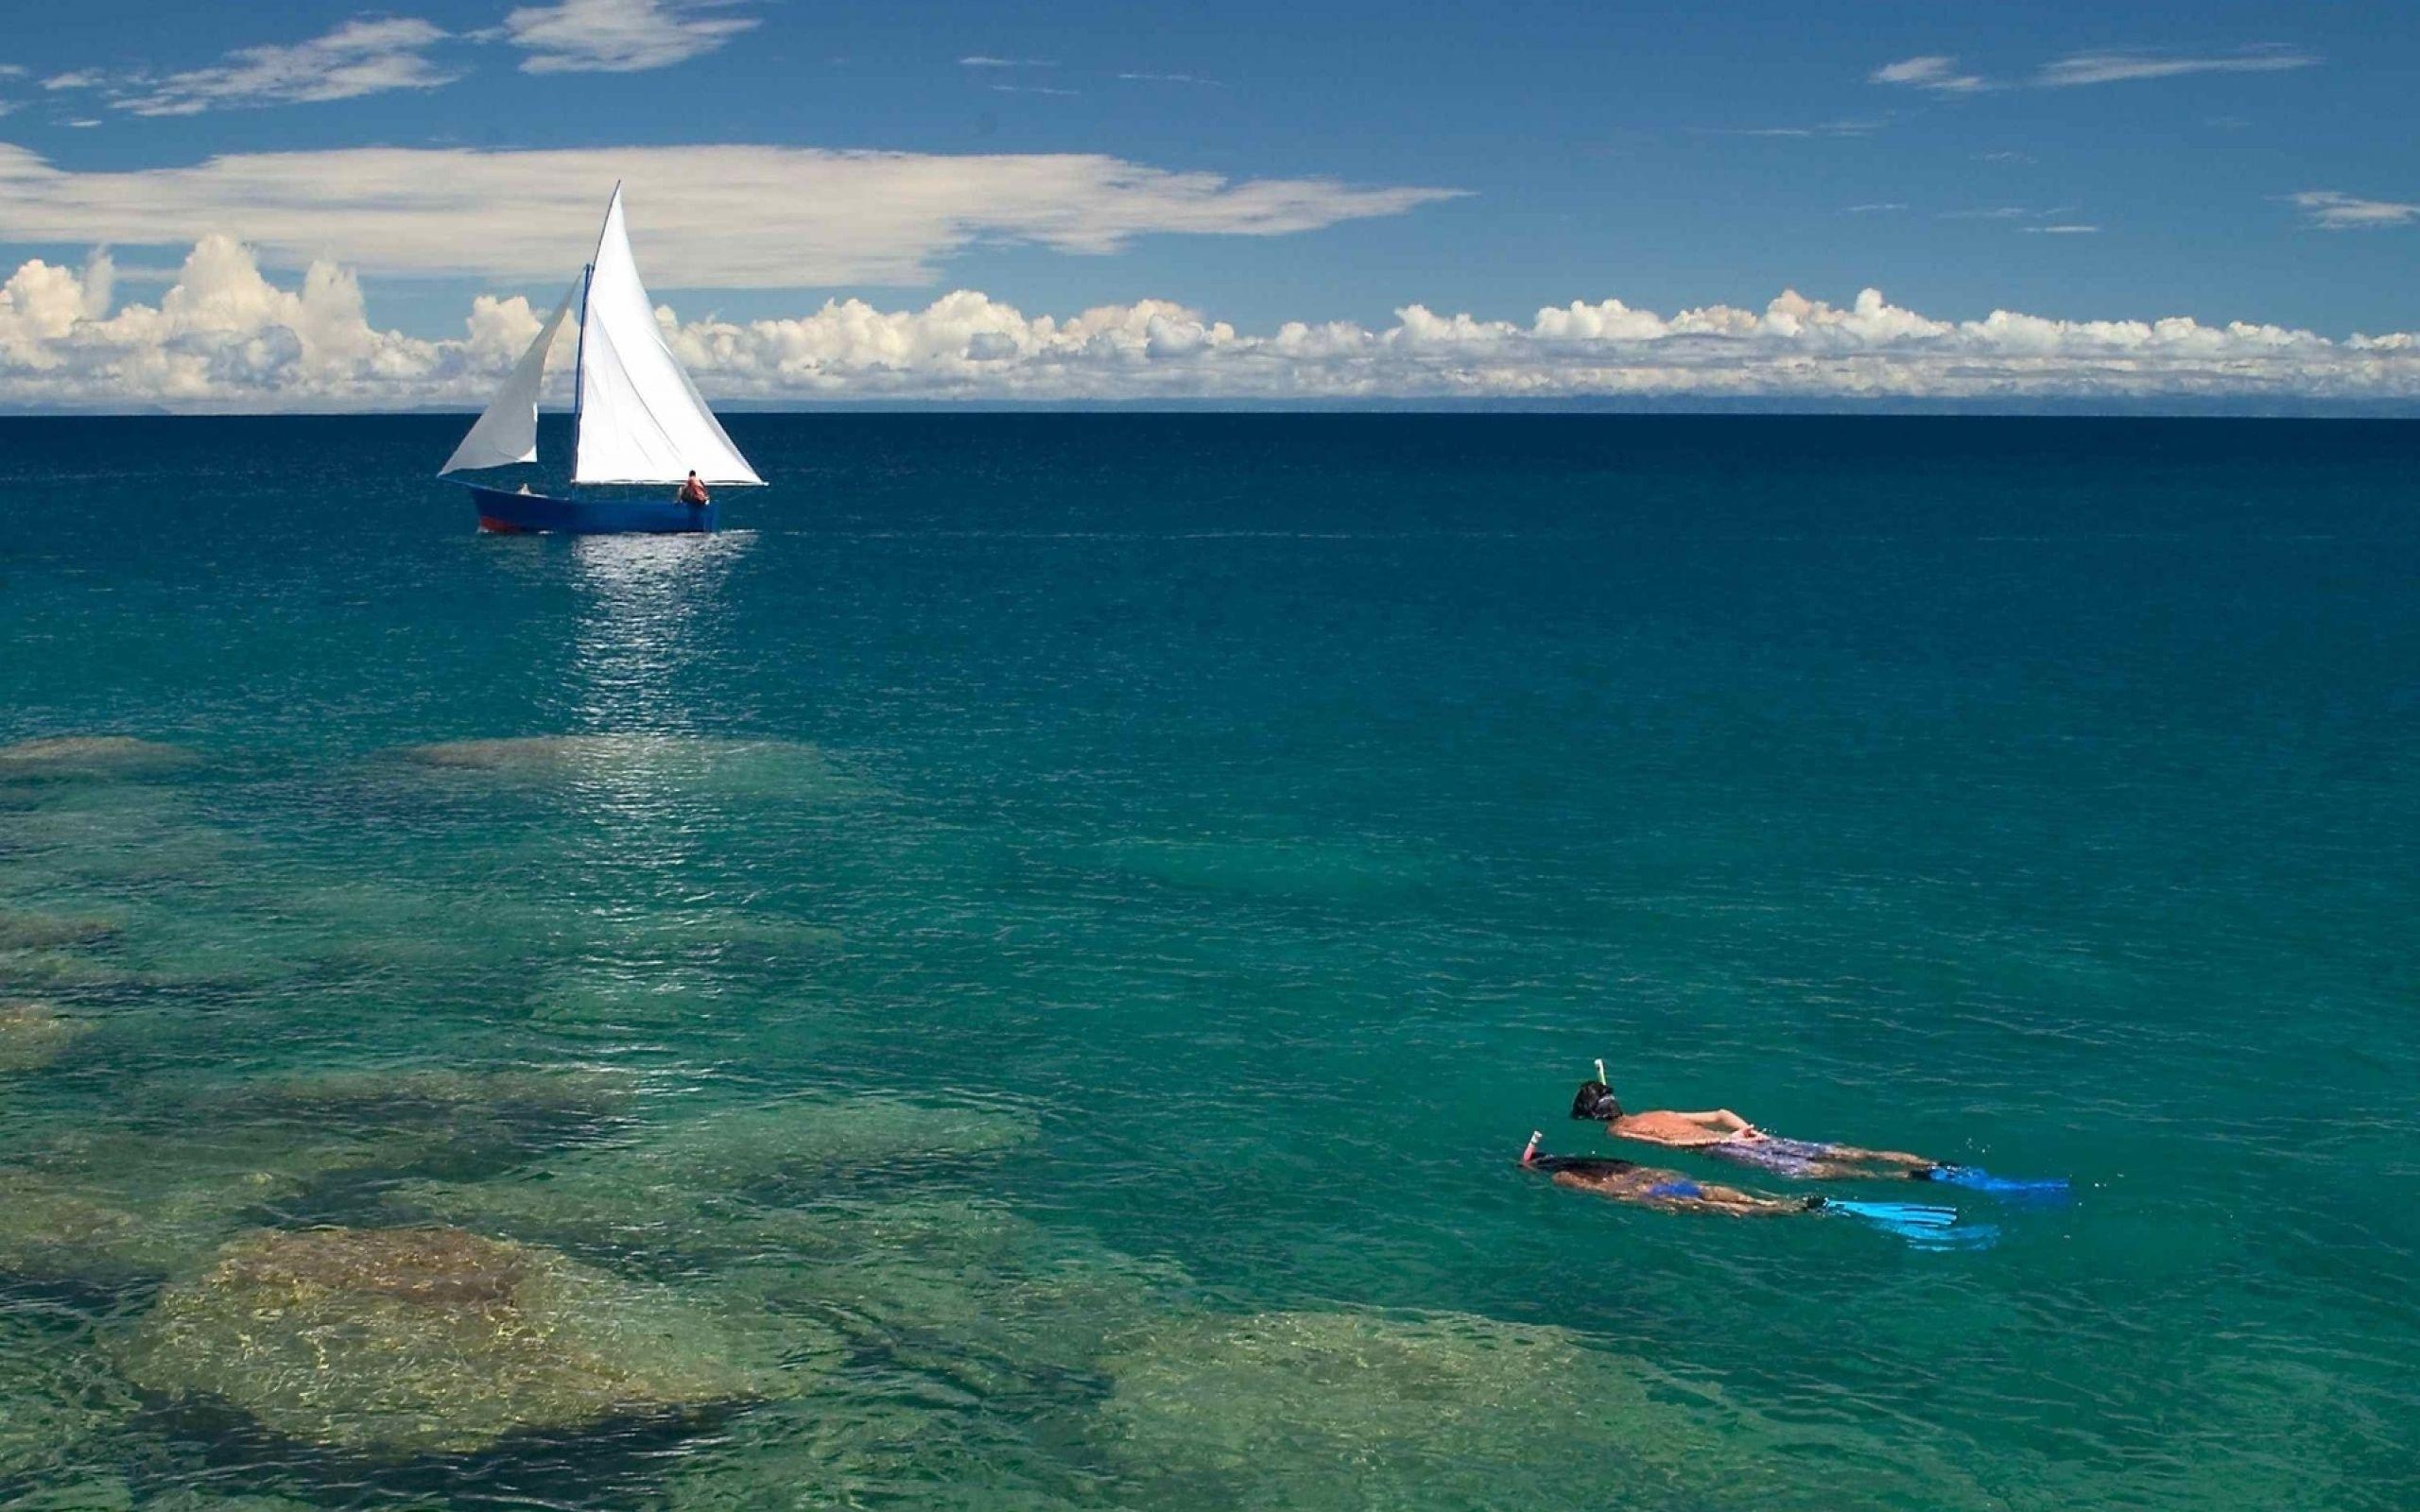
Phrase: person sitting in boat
pixel 693 492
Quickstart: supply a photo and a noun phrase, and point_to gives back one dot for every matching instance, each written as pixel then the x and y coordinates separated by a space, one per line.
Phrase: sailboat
pixel 636 416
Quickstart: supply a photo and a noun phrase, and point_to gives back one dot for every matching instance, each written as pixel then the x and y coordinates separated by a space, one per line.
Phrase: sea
pixel 1016 974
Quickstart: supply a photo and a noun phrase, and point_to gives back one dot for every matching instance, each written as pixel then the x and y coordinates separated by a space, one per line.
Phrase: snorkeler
pixel 1726 1136
pixel 1647 1187
pixel 1629 1181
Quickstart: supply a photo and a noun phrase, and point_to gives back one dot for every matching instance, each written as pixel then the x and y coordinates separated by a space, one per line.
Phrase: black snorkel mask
pixel 1595 1103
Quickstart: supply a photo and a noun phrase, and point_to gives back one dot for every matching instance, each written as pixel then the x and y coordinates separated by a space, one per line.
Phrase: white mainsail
pixel 507 432
pixel 640 418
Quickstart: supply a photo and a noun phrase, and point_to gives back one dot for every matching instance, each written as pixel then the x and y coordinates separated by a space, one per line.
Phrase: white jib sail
pixel 640 418
pixel 507 432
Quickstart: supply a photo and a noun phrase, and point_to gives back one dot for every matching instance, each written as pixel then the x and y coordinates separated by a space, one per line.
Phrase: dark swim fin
pixel 1975 1178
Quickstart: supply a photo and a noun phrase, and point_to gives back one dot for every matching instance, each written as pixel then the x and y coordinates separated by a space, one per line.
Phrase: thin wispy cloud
pixel 986 60
pixel 1933 71
pixel 1940 74
pixel 2047 221
pixel 1034 89
pixel 1820 129
pixel 620 36
pixel 1172 78
pixel 2004 157
pixel 365 56
pixel 13 70
pixel 2331 210
pixel 1878 207
pixel 2118 65
pixel 815 216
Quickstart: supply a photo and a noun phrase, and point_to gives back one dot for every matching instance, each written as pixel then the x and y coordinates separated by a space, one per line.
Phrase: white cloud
pixel 223 336
pixel 1940 74
pixel 2116 65
pixel 365 56
pixel 2063 229
pixel 1818 129
pixel 703 217
pixel 1934 72
pixel 2331 210
pixel 986 60
pixel 620 36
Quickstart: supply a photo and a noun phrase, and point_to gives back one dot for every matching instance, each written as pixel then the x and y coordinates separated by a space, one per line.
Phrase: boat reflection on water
pixel 642 772
pixel 651 619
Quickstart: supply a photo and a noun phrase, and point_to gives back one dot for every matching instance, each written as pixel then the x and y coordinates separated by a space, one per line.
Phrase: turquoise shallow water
pixel 1014 977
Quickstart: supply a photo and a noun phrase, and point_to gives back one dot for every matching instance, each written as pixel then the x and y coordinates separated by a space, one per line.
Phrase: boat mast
pixel 580 352
pixel 579 356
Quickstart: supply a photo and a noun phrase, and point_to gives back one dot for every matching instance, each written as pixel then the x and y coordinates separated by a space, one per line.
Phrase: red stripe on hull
pixel 497 528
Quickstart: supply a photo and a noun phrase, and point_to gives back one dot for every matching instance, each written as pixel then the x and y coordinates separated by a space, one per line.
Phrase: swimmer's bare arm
pixel 1722 1120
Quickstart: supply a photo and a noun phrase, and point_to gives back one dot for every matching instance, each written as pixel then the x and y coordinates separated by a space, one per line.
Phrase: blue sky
pixel 2223 162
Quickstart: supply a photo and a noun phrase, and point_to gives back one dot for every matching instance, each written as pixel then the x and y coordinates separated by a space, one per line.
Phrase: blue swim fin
pixel 1975 1178
pixel 1898 1217
pixel 1922 1226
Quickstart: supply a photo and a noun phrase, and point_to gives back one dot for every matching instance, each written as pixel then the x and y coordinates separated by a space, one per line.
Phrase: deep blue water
pixel 1144 876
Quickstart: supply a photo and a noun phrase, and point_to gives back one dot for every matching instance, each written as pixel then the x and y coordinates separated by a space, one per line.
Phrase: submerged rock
pixel 585 1092
pixel 391 1342
pixel 976 1337
pixel 711 1187
pixel 42 932
pixel 56 1402
pixel 760 768
pixel 440 1119
pixel 557 752
pixel 110 1208
pixel 32 1035
pixel 1359 1409
pixel 88 753
pixel 819 1135
pixel 886 1439
pixel 52 1231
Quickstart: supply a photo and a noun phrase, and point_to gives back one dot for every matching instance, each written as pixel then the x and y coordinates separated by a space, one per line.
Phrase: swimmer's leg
pixel 1900 1158
pixel 1737 1204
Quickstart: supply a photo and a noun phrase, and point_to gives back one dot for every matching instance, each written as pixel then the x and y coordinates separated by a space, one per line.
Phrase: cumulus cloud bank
pixel 717 217
pixel 225 336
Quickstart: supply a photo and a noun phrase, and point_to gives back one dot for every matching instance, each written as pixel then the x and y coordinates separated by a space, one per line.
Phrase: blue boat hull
pixel 521 513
